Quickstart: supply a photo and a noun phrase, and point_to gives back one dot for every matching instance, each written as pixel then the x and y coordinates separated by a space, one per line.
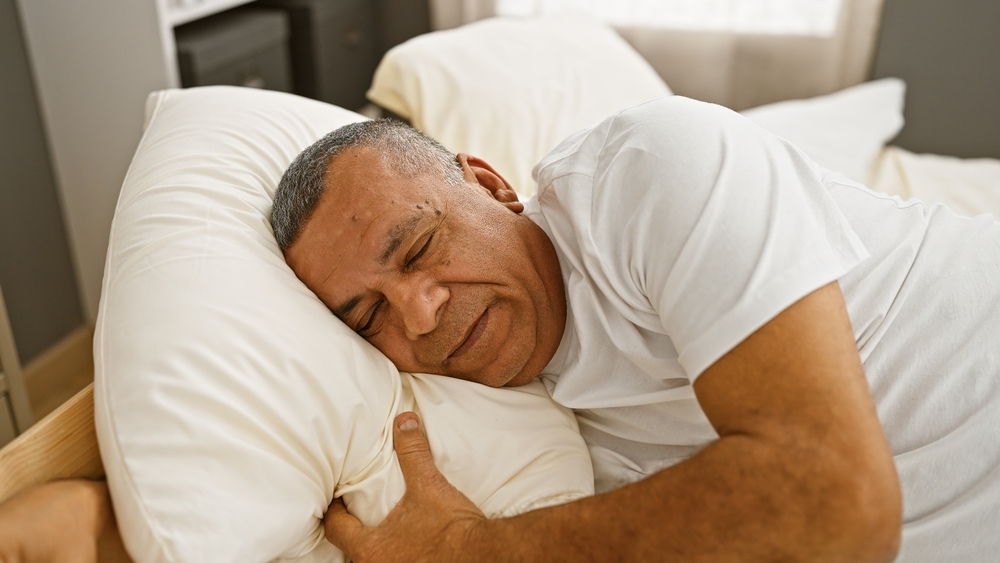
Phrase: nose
pixel 419 300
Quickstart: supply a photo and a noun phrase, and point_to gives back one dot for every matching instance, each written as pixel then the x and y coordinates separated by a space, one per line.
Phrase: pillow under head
pixel 230 404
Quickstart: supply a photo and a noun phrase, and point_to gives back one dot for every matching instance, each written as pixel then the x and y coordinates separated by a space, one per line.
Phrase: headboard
pixel 949 54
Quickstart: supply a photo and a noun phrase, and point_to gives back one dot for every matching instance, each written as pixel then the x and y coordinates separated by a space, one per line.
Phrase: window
pixel 788 17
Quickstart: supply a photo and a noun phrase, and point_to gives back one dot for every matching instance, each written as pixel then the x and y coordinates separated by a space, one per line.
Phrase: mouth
pixel 472 335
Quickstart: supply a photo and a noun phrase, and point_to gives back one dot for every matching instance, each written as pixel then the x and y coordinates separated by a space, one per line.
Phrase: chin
pixel 520 379
pixel 523 375
pixel 502 376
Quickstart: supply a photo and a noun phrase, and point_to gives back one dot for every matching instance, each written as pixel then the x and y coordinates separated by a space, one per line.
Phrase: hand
pixel 60 521
pixel 430 523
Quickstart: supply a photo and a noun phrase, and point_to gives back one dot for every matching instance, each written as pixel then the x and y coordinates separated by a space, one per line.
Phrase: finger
pixel 342 529
pixel 413 451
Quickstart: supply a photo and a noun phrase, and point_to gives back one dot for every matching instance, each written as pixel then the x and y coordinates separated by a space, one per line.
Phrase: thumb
pixel 341 529
pixel 413 452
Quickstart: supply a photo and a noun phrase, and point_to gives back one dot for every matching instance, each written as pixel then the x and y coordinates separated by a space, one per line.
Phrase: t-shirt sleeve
pixel 698 223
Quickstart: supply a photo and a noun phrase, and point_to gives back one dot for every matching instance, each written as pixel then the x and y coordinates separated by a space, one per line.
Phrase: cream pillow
pixel 509 90
pixel 843 131
pixel 230 405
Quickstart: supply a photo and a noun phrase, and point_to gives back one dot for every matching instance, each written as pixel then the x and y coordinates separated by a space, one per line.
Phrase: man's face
pixel 441 279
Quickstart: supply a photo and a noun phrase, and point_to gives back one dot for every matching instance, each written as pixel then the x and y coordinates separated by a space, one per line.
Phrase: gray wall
pixel 35 269
pixel 948 51
pixel 399 20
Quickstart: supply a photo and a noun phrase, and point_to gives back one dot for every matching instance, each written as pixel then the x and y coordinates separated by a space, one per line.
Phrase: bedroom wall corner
pixel 93 65
pixel 36 268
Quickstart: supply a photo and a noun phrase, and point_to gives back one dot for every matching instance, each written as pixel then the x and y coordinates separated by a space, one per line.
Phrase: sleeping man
pixel 768 361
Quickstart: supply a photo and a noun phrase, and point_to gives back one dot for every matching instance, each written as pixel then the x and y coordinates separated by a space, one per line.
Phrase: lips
pixel 472 336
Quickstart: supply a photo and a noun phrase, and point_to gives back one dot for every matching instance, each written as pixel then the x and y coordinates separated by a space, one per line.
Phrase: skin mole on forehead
pixel 420 206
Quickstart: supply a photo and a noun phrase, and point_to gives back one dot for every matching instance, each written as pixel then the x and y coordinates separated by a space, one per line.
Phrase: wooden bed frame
pixel 63 445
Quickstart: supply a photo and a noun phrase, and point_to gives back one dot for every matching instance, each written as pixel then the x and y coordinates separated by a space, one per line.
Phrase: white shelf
pixel 183 11
pixel 93 65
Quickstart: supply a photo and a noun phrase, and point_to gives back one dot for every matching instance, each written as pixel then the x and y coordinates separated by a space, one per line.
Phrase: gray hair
pixel 407 151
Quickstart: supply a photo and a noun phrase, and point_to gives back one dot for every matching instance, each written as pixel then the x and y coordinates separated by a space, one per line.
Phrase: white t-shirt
pixel 681 228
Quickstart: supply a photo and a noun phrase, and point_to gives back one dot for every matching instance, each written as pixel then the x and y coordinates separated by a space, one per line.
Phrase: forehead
pixel 363 205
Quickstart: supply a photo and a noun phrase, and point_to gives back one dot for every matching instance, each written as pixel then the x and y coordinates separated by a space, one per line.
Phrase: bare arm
pixel 63 521
pixel 801 471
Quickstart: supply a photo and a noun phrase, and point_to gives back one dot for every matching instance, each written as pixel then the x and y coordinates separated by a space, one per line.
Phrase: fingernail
pixel 408 424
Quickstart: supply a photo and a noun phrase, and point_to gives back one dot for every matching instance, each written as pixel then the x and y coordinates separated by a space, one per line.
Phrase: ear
pixel 479 173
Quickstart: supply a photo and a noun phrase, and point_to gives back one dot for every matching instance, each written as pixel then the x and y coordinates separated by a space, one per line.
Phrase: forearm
pixel 801 472
pixel 60 521
pixel 739 499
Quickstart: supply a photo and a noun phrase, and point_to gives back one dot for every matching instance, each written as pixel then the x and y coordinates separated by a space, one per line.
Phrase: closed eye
pixel 365 331
pixel 412 259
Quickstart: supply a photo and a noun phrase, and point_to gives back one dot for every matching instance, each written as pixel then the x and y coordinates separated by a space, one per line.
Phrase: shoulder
pixel 667 152
pixel 673 122
pixel 615 194
pixel 672 137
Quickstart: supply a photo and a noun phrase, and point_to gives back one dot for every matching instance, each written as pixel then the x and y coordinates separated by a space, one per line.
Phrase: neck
pixel 551 322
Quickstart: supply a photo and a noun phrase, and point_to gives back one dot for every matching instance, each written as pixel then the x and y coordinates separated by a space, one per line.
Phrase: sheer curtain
pixel 446 14
pixel 783 17
pixel 738 53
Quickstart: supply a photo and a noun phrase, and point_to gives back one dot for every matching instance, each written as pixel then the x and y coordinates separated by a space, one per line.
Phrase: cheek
pixel 515 347
pixel 473 249
pixel 483 262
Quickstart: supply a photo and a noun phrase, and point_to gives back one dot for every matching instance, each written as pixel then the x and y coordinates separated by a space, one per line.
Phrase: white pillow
pixel 509 90
pixel 231 406
pixel 843 131
pixel 968 186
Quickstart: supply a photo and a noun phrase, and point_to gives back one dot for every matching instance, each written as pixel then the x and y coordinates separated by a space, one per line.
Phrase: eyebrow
pixel 399 234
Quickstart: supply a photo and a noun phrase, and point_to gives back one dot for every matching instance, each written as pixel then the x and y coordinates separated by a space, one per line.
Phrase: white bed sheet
pixel 969 186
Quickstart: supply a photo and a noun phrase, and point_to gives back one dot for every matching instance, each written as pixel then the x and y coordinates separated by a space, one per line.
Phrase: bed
pixel 145 367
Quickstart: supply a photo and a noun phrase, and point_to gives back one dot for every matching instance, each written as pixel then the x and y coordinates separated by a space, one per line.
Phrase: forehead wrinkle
pixel 334 267
pixel 332 270
pixel 342 310
pixel 369 225
pixel 345 308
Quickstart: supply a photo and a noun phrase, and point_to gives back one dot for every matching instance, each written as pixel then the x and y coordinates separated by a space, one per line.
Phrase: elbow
pixel 881 510
pixel 851 507
pixel 871 515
